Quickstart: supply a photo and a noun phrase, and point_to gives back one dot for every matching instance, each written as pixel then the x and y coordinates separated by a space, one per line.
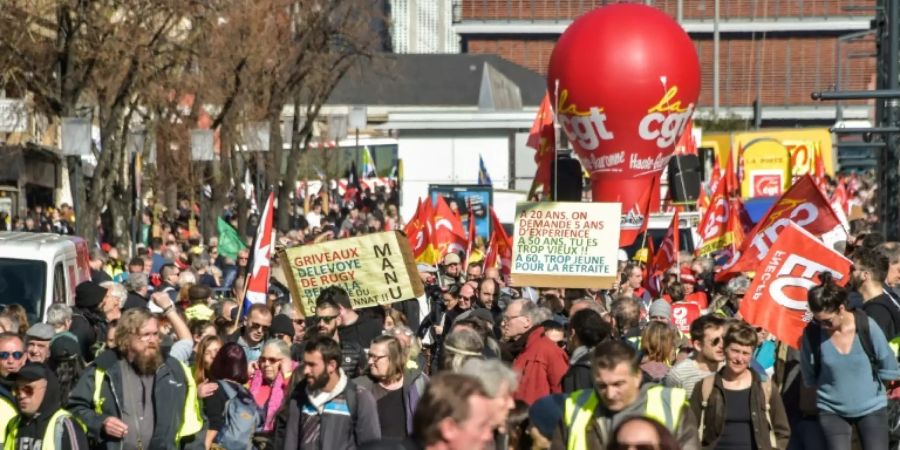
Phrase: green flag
pixel 229 241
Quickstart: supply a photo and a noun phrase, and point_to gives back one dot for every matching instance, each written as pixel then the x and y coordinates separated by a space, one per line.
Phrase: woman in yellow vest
pixel 42 423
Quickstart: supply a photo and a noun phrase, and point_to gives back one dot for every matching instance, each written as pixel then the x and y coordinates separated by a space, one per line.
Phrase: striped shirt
pixel 685 375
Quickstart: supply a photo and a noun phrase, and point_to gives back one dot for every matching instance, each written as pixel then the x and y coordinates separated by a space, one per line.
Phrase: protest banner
pixel 566 244
pixel 374 269
pixel 776 299
pixel 804 204
pixel 683 315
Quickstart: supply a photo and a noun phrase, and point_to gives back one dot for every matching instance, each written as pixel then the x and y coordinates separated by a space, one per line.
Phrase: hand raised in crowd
pixel 161 299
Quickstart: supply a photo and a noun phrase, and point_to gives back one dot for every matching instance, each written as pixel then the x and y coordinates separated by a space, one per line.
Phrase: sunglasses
pixel 561 344
pixel 326 319
pixel 25 389
pixel 263 359
pixel 259 326
pixel 15 355
pixel 717 341
pixel 280 336
pixel 468 299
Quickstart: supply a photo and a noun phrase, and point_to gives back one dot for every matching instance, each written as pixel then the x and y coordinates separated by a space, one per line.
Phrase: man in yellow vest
pixel 591 415
pixel 132 398
pixel 42 424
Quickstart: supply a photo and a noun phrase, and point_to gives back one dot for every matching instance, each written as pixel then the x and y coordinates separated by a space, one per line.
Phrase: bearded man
pixel 132 398
pixel 326 409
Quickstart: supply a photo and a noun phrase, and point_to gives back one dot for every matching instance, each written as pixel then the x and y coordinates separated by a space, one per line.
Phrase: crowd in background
pixel 158 352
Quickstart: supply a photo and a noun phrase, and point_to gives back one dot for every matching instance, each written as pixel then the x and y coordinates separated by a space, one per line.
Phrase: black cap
pixel 282 324
pixel 31 372
pixel 64 347
pixel 89 294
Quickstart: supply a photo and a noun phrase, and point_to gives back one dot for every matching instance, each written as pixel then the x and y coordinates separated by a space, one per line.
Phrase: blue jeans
pixel 871 428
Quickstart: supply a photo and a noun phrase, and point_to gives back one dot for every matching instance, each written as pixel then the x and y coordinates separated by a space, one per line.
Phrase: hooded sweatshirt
pixel 32 428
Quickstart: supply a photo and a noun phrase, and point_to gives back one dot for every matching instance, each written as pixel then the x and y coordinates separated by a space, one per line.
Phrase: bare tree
pixel 94 58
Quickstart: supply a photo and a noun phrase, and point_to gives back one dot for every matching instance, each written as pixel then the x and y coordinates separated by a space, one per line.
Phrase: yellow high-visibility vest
pixel 191 420
pixel 663 405
pixel 52 435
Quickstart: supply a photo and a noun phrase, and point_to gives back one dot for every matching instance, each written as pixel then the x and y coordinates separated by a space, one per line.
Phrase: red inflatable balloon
pixel 628 80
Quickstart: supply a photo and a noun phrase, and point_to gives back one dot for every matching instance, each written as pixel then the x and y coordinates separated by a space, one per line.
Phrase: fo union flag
pixel 776 299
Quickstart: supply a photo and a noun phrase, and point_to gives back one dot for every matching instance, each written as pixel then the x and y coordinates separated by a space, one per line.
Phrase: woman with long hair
pixel 396 390
pixel 206 352
pixel 658 349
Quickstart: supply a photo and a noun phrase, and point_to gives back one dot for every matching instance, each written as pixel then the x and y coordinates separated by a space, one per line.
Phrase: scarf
pixel 276 395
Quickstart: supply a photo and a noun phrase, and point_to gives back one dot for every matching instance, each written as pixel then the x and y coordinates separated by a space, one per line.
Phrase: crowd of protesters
pixel 159 352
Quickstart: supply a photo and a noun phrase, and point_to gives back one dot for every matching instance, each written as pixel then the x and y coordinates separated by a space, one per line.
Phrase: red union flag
pixel 804 204
pixel 776 299
pixel 667 255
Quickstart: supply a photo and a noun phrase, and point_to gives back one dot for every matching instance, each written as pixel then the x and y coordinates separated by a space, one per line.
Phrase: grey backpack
pixel 242 418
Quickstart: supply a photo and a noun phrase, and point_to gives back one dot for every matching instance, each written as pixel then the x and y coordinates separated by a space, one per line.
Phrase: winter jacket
pixel 414 383
pixel 579 375
pixel 362 332
pixel 170 391
pixel 339 430
pixel 716 411
pixel 90 329
pixel 542 365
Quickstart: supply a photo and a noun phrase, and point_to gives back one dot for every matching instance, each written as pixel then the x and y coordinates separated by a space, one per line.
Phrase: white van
pixel 39 269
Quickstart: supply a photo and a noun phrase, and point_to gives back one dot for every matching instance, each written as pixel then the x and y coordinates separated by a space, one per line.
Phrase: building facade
pixel 423 26
pixel 773 51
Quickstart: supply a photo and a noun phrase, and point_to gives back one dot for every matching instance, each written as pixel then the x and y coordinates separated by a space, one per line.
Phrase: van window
pixel 22 282
pixel 59 284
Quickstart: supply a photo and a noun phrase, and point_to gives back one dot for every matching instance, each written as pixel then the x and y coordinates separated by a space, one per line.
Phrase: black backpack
pixel 814 333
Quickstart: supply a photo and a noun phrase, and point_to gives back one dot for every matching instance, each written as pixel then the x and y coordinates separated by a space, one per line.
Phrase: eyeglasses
pixel 326 319
pixel 263 359
pixel 716 341
pixel 510 318
pixel 376 358
pixel 15 355
pixel 463 297
pixel 258 326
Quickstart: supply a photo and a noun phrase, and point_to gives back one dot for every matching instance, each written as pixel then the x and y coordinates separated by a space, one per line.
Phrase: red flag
pixel 448 234
pixel 635 221
pixel 821 180
pixel 686 144
pixel 803 203
pixel 840 197
pixel 542 138
pixel 776 299
pixel 667 255
pixel 418 231
pixel 730 177
pixel 257 289
pixel 500 247
pixel 703 201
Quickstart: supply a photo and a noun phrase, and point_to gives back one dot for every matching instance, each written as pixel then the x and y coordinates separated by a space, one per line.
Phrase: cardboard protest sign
pixel 374 269
pixel 776 299
pixel 566 244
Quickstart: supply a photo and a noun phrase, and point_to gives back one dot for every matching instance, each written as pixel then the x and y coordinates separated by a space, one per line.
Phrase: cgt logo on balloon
pixel 663 124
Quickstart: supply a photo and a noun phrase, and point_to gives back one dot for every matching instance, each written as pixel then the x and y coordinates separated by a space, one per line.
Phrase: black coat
pixel 579 374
